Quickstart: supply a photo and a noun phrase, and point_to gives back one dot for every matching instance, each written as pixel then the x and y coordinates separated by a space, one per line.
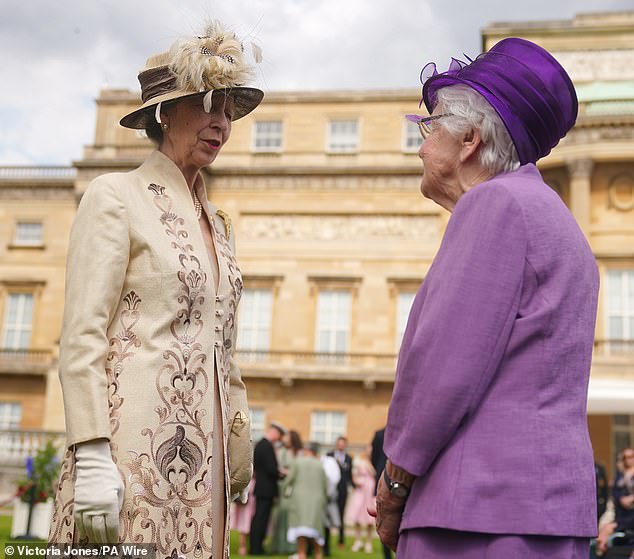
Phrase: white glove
pixel 241 497
pixel 98 492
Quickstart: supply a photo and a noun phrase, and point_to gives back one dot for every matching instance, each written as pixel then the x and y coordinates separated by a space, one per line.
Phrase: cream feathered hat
pixel 212 64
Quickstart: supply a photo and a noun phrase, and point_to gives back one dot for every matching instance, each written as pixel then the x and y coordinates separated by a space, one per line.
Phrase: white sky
pixel 56 56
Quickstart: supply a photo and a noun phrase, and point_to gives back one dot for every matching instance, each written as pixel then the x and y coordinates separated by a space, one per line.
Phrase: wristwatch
pixel 399 490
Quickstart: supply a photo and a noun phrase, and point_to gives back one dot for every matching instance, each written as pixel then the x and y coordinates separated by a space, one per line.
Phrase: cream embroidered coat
pixel 143 327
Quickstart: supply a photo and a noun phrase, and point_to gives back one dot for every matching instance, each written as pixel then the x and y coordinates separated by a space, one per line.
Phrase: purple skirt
pixel 438 543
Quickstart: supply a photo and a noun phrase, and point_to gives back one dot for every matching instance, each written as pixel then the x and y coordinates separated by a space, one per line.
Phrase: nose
pixel 219 119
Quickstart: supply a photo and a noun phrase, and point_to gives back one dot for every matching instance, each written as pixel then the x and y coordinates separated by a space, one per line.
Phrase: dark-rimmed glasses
pixel 423 124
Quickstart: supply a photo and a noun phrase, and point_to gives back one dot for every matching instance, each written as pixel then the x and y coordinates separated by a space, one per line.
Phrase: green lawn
pixel 336 553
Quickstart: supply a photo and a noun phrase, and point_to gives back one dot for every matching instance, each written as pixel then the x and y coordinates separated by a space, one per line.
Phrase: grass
pixel 336 552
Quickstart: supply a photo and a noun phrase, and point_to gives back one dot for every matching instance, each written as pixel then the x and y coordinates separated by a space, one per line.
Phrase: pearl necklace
pixel 197 206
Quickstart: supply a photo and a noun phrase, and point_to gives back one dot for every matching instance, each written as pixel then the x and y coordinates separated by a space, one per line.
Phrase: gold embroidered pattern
pixel 121 345
pixel 62 524
pixel 171 480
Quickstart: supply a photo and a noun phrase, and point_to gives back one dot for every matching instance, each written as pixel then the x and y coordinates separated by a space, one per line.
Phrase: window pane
pixel 333 321
pixel 257 423
pixel 620 304
pixel 254 324
pixel 18 321
pixel 28 233
pixel 10 415
pixel 615 328
pixel 413 139
pixel 268 136
pixel 325 427
pixel 403 307
pixel 343 135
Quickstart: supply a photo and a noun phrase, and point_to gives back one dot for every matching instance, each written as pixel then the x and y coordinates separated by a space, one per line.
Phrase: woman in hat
pixel 487 420
pixel 156 411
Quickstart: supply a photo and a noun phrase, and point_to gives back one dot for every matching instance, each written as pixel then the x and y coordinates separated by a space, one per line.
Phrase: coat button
pixel 218 299
pixel 218 328
pixel 216 344
pixel 220 313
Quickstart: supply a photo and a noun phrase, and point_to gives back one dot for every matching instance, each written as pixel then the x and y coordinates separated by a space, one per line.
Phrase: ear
pixel 471 141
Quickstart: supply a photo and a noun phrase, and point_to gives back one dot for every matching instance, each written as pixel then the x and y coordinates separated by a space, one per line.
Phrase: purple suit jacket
pixel 489 402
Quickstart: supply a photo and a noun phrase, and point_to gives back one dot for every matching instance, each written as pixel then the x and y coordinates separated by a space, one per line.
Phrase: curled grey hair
pixel 471 110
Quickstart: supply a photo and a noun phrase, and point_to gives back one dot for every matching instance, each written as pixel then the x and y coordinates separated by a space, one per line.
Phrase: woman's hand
pixel 388 513
pixel 98 493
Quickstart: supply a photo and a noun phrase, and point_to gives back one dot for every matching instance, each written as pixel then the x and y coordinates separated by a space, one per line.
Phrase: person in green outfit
pixel 308 499
pixel 292 446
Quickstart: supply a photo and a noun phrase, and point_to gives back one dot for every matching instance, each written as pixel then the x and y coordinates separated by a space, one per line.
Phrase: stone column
pixel 580 187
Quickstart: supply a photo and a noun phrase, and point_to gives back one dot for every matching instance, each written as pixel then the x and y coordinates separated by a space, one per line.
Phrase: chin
pixel 424 190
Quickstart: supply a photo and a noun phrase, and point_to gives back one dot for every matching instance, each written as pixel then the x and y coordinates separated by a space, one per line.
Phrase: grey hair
pixel 469 111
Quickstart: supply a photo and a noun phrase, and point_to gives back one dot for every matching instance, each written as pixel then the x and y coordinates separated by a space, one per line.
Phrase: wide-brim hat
pixel 215 62
pixel 527 87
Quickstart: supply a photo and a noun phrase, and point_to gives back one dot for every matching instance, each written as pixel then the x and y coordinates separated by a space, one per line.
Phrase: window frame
pixel 333 333
pixel 625 311
pixel 255 429
pixel 413 127
pixel 12 423
pixel 398 332
pixel 18 242
pixel 10 292
pixel 254 348
pixel 267 149
pixel 329 136
pixel 329 427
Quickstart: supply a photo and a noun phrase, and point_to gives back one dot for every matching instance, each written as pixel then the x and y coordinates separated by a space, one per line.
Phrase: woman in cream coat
pixel 156 411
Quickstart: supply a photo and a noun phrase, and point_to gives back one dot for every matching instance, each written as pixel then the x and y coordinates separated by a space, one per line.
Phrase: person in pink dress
pixel 240 518
pixel 363 477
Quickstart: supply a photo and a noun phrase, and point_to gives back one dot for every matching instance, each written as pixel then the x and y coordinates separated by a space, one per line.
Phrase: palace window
pixel 254 324
pixel 258 425
pixel 620 310
pixel 343 136
pixel 28 233
pixel 18 321
pixel 326 426
pixel 267 136
pixel 333 321
pixel 412 138
pixel 404 302
pixel 10 415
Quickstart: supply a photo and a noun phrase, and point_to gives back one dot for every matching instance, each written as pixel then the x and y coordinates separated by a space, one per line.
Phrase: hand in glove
pixel 98 492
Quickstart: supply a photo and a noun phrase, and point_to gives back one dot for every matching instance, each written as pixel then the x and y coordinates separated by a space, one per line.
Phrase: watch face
pixel 399 490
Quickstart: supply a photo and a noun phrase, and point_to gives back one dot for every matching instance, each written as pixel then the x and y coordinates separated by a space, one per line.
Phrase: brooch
pixel 227 221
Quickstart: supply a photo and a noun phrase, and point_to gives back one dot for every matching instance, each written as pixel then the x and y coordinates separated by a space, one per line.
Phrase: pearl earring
pixel 164 126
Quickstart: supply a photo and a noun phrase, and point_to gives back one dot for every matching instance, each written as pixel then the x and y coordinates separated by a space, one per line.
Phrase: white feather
pixel 157 113
pixel 257 52
pixel 208 102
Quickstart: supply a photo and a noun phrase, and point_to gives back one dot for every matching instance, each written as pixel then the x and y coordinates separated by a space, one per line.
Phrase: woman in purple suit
pixel 487 441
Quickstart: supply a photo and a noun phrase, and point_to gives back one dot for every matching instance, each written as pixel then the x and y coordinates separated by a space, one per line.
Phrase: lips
pixel 212 144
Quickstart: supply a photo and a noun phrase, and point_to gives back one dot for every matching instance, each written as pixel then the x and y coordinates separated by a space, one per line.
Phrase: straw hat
pixel 214 62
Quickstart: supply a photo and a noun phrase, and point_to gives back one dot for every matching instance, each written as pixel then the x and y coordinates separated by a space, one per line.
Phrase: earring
pixel 164 126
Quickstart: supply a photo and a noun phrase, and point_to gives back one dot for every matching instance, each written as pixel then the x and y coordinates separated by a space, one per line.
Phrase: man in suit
pixel 345 465
pixel 267 474
pixel 378 460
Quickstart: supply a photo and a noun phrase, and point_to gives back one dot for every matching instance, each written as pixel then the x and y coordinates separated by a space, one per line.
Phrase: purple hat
pixel 526 86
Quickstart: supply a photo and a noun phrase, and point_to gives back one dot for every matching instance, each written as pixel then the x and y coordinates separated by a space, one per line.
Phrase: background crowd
pixel 303 497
